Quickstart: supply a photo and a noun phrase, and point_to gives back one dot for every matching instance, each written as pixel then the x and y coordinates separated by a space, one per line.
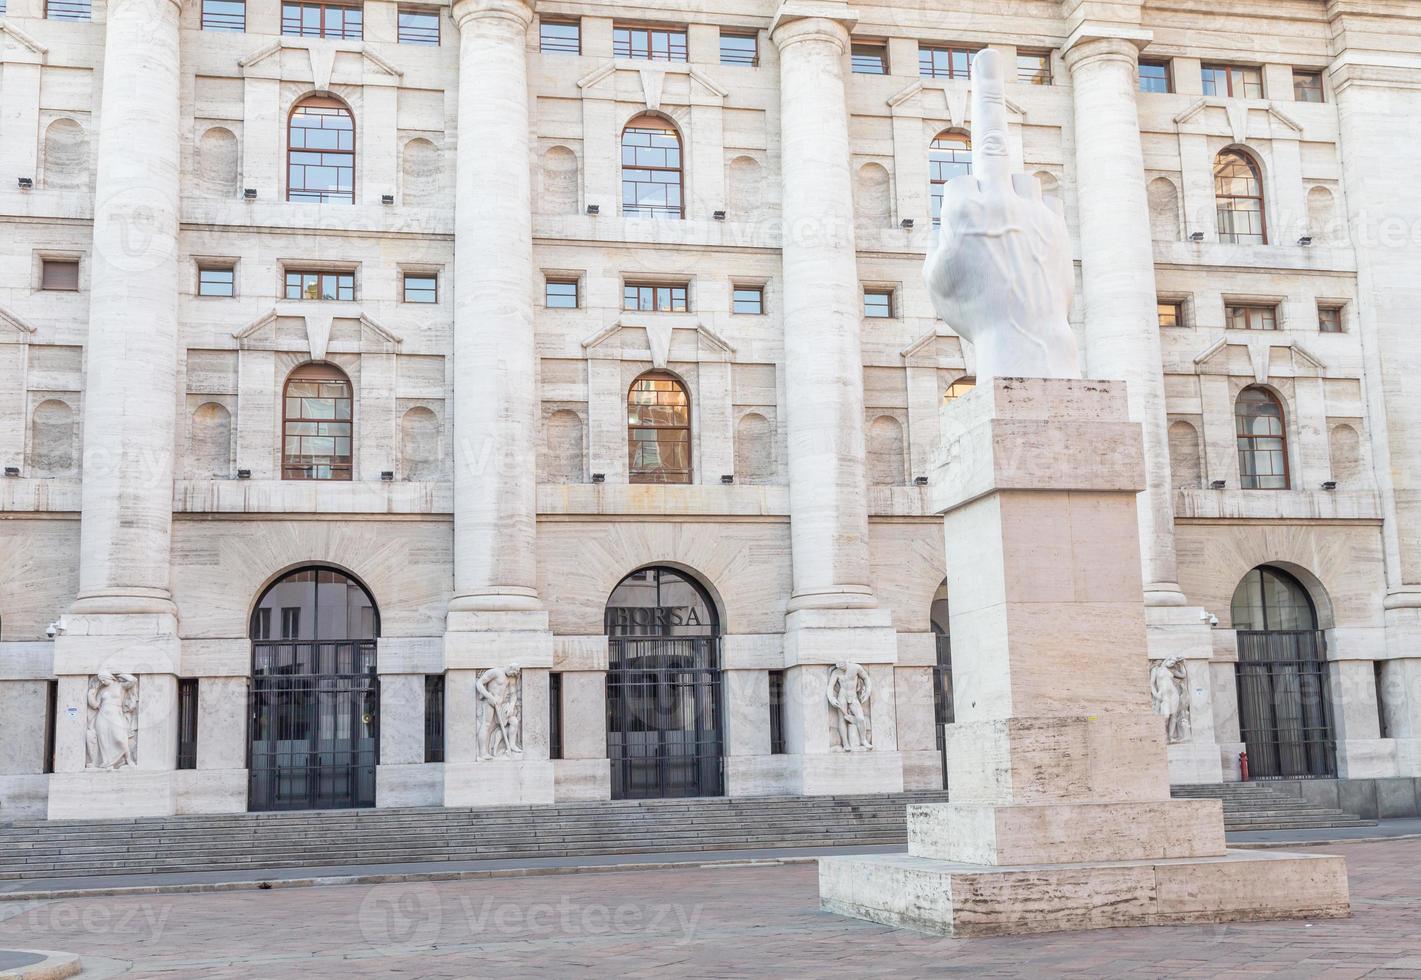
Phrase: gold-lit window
pixel 658 430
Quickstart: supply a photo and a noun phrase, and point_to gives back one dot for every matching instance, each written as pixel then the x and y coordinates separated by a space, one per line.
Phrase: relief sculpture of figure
pixel 850 692
pixel 1169 691
pixel 1001 275
pixel 500 713
pixel 112 736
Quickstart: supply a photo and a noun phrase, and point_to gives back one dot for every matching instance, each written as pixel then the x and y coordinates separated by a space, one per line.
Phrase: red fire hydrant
pixel 1243 766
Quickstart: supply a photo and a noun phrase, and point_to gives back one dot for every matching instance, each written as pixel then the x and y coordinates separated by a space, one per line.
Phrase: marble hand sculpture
pixel 1002 274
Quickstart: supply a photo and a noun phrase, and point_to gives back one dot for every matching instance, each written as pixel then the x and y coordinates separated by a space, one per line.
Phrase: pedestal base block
pixel 498 782
pixel 966 900
pixel 834 773
pixel 118 794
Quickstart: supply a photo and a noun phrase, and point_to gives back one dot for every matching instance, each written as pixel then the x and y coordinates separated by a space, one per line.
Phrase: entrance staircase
pixel 1258 806
pixel 331 838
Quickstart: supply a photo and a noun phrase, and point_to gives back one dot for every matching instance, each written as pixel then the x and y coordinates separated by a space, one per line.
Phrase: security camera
pixel 54 629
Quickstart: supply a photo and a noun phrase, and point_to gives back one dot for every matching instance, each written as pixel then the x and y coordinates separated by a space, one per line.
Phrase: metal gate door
pixel 314 725
pixel 942 697
pixel 664 730
pixel 1284 713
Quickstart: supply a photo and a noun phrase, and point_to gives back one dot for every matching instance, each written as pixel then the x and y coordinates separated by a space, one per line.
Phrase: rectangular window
pixel 320 285
pixel 943 62
pixel 51 706
pixel 419 26
pixel 261 629
pixel 649 43
pixel 187 723
pixel 1171 314
pixel 560 37
pixel 1307 86
pixel 555 716
pixel 739 49
pixel 67 9
pixel 870 59
pixel 777 712
pixel 878 304
pixel 1233 81
pixel 749 300
pixel 560 294
pixel 1329 319
pixel 648 298
pixel 1252 317
pixel 1383 709
pixel 322 20
pixel 434 718
pixel 1155 76
pixel 216 280
pixel 1034 67
pixel 62 274
pixel 290 622
pixel 224 15
pixel 421 288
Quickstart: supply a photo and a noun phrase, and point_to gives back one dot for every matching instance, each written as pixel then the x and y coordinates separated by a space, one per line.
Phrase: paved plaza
pixel 722 922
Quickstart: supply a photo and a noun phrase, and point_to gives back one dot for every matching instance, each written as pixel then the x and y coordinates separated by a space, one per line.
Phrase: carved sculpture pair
pixel 499 715
pixel 850 695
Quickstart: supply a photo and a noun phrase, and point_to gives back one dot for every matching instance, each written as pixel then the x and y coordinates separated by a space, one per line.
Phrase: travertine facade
pixel 147 513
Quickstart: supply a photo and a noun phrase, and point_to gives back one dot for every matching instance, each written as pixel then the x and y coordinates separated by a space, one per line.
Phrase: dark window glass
pixel 224 15
pixel 650 298
pixel 555 716
pixel 945 62
pixel 51 706
pixel 67 9
pixel 421 289
pixel 1238 193
pixel 1034 68
pixel 739 49
pixel 419 26
pixel 777 712
pixel 216 281
pixel 434 718
pixel 1329 319
pixel 651 169
pixel 560 37
pixel 1262 441
pixel 658 430
pixel 1171 314
pixel 316 427
pixel 187 723
pixel 749 299
pixel 320 156
pixel 877 304
pixel 649 43
pixel 59 274
pixel 1155 77
pixel 1307 86
pixel 1233 81
pixel 870 59
pixel 320 285
pixel 949 156
pixel 1251 317
pixel 561 294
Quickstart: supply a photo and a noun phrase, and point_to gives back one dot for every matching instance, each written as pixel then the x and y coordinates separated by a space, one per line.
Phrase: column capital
pixel 116 6
pixel 520 11
pixel 800 19
pixel 1092 42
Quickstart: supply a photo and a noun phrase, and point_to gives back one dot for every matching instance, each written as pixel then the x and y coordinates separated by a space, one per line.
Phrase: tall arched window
pixel 949 156
pixel 320 154
pixel 1238 193
pixel 316 424
pixel 651 169
pixel 658 430
pixel 1262 441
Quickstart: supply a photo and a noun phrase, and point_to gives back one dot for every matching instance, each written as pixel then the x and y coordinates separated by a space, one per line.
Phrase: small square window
pixel 419 26
pixel 224 15
pixel 878 304
pixel 216 280
pixel 870 59
pixel 1329 319
pixel 560 294
pixel 739 49
pixel 1155 77
pixel 560 37
pixel 1171 314
pixel 421 288
pixel 1307 86
pixel 1034 67
pixel 1252 317
pixel 749 300
pixel 60 274
pixel 67 10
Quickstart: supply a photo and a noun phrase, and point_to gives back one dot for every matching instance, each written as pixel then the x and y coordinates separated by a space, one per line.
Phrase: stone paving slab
pixel 744 921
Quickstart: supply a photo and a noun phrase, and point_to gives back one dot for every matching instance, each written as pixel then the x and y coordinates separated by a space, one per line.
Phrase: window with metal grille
pixel 418 26
pixel 320 154
pixel 1262 441
pixel 658 430
pixel 555 716
pixel 68 10
pixel 1034 67
pixel 316 424
pixel 1251 317
pixel 651 169
pixel 869 59
pixel 653 298
pixel 949 156
pixel 224 15
pixel 322 20
pixel 1233 81
pixel 434 718
pixel 560 37
pixel 777 712
pixel 187 722
pixel 649 43
pixel 739 49
pixel 1238 193
pixel 1155 76
pixel 945 62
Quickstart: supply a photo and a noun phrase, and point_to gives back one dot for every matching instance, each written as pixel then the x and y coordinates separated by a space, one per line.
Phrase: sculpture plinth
pixel 1061 816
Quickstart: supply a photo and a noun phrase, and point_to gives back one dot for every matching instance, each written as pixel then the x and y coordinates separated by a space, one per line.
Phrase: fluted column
pixel 123 620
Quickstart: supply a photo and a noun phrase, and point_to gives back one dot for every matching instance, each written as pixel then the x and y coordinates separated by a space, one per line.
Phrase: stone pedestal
pixel 1060 815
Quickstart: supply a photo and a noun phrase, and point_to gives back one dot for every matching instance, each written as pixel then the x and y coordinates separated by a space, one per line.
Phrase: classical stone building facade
pixel 352 354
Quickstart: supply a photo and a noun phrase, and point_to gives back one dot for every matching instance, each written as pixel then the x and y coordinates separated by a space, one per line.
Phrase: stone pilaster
pixel 1122 329
pixel 833 613
pixel 1377 88
pixel 123 620
pixel 495 617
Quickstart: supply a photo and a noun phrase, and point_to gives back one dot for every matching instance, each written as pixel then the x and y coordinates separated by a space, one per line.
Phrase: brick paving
pixel 723 922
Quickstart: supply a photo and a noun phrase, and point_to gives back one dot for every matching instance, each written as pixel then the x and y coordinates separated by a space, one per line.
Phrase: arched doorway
pixel 315 694
pixel 665 728
pixel 1284 714
pixel 942 674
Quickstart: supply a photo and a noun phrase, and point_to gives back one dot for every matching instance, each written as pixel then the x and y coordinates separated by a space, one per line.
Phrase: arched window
pixel 959 388
pixel 658 430
pixel 1262 441
pixel 949 156
pixel 316 424
pixel 651 169
pixel 943 712
pixel 1238 193
pixel 320 154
